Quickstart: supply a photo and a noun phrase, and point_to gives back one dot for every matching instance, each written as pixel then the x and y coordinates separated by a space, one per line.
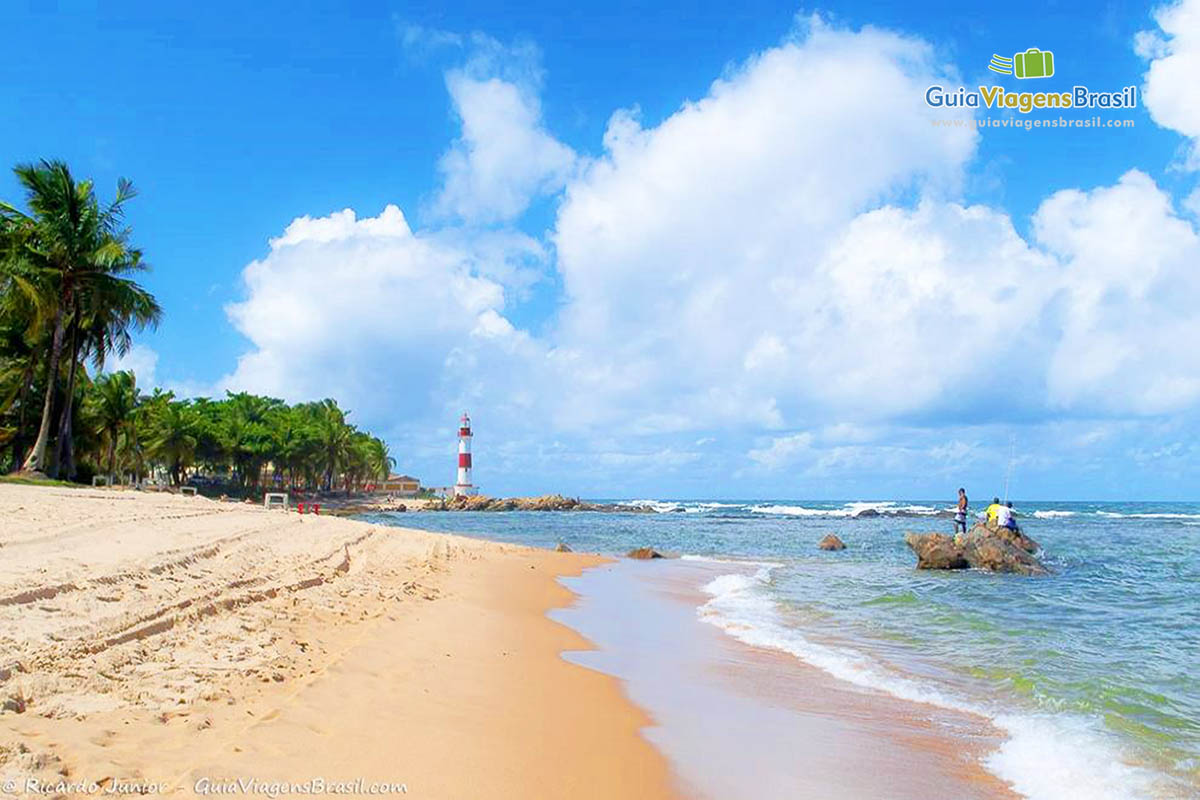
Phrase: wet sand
pixel 743 722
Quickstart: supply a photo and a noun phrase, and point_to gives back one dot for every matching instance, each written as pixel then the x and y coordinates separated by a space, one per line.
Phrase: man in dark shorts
pixel 960 515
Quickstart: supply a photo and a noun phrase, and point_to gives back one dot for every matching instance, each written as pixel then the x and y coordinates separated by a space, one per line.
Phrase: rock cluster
pixel 547 502
pixel 832 542
pixel 992 549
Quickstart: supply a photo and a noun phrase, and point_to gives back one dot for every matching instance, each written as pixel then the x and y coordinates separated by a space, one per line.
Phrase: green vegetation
pixel 67 300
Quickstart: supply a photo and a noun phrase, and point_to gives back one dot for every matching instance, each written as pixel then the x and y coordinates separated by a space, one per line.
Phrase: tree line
pixel 69 300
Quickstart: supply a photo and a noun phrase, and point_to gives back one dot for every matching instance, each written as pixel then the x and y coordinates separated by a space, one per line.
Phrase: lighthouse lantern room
pixel 463 485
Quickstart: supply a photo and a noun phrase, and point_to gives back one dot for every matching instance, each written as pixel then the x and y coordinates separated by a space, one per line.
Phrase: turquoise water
pixel 1092 671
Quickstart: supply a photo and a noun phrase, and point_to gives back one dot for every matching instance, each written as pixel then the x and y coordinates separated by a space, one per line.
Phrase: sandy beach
pixel 189 644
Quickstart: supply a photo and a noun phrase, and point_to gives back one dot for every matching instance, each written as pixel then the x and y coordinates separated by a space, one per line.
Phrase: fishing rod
pixel 1012 454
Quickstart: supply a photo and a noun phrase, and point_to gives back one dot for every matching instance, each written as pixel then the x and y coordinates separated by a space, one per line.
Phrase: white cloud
pixel 1129 325
pixel 1171 91
pixel 783 451
pixel 787 252
pixel 504 158
pixel 361 307
pixel 141 360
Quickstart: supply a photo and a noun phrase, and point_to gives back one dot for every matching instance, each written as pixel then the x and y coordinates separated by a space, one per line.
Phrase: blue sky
pixel 512 140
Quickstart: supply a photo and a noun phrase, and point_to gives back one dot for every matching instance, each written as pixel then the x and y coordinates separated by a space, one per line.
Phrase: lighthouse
pixel 463 485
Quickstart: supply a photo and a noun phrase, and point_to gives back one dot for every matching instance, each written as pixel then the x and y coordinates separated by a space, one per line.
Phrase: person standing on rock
pixel 960 516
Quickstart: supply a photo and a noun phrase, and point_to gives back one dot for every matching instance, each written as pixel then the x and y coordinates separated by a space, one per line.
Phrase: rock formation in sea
pixel 644 553
pixel 995 550
pixel 832 542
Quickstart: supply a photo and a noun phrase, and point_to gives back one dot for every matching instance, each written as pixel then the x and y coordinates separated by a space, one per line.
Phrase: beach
pixel 156 643
pixel 185 644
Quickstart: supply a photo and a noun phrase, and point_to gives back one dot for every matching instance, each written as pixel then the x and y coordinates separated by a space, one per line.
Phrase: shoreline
pixel 746 722
pixel 170 640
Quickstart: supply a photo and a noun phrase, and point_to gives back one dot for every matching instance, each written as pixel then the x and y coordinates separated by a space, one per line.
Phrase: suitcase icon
pixel 1033 63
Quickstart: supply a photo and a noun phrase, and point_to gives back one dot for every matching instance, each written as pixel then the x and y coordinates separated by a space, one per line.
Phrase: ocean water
pixel 1092 674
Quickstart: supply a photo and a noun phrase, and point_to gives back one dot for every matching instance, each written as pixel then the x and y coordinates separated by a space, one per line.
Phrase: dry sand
pixel 174 640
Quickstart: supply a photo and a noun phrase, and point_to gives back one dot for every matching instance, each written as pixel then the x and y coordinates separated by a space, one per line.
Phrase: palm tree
pixel 114 400
pixel 380 460
pixel 334 436
pixel 106 313
pixel 172 435
pixel 74 252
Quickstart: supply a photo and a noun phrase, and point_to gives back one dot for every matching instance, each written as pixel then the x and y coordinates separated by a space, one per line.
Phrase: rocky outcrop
pixel 981 548
pixel 997 551
pixel 867 512
pixel 832 542
pixel 644 553
pixel 562 548
pixel 1013 537
pixel 936 551
pixel 546 502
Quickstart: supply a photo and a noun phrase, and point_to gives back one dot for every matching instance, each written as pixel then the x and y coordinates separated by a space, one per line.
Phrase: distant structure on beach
pixel 401 484
pixel 463 485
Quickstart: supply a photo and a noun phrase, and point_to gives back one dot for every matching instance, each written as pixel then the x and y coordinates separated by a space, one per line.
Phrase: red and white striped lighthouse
pixel 463 485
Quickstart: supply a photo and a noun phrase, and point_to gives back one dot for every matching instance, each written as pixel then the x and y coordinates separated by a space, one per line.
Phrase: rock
pixel 644 553
pixel 1013 537
pixel 997 552
pixel 936 551
pixel 401 508
pixel 981 548
pixel 866 512
pixel 14 703
pixel 562 548
pixel 832 542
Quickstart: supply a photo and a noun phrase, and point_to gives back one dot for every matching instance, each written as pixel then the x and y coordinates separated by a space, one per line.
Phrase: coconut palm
pixel 74 254
pixel 106 313
pixel 171 435
pixel 114 400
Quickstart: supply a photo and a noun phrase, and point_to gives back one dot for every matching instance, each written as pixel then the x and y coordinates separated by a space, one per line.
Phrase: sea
pixel 1091 676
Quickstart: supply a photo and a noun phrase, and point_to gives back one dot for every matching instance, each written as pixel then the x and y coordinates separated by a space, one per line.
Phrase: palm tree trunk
pixel 23 400
pixel 36 461
pixel 64 458
pixel 112 455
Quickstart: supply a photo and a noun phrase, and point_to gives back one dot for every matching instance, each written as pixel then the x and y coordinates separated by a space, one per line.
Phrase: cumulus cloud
pixel 363 305
pixel 1171 92
pixel 1129 322
pixel 504 157
pixel 141 360
pixel 784 261
pixel 707 259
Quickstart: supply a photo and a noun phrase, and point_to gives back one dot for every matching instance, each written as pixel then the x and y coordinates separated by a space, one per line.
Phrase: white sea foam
pixel 1148 515
pixel 884 508
pixel 1053 514
pixel 668 506
pixel 1045 757
pixel 747 562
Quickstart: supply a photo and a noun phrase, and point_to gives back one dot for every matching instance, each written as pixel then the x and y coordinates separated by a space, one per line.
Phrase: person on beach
pixel 960 516
pixel 993 511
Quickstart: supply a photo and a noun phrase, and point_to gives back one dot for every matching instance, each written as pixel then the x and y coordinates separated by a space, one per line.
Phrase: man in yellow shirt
pixel 992 511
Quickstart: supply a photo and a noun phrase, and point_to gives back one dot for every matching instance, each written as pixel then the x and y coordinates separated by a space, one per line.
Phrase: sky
pixel 673 251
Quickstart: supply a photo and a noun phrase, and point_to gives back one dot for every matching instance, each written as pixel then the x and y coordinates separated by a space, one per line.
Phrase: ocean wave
pixel 1045 757
pixel 748 562
pixel 677 507
pixel 1147 515
pixel 1053 514
pixel 883 509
